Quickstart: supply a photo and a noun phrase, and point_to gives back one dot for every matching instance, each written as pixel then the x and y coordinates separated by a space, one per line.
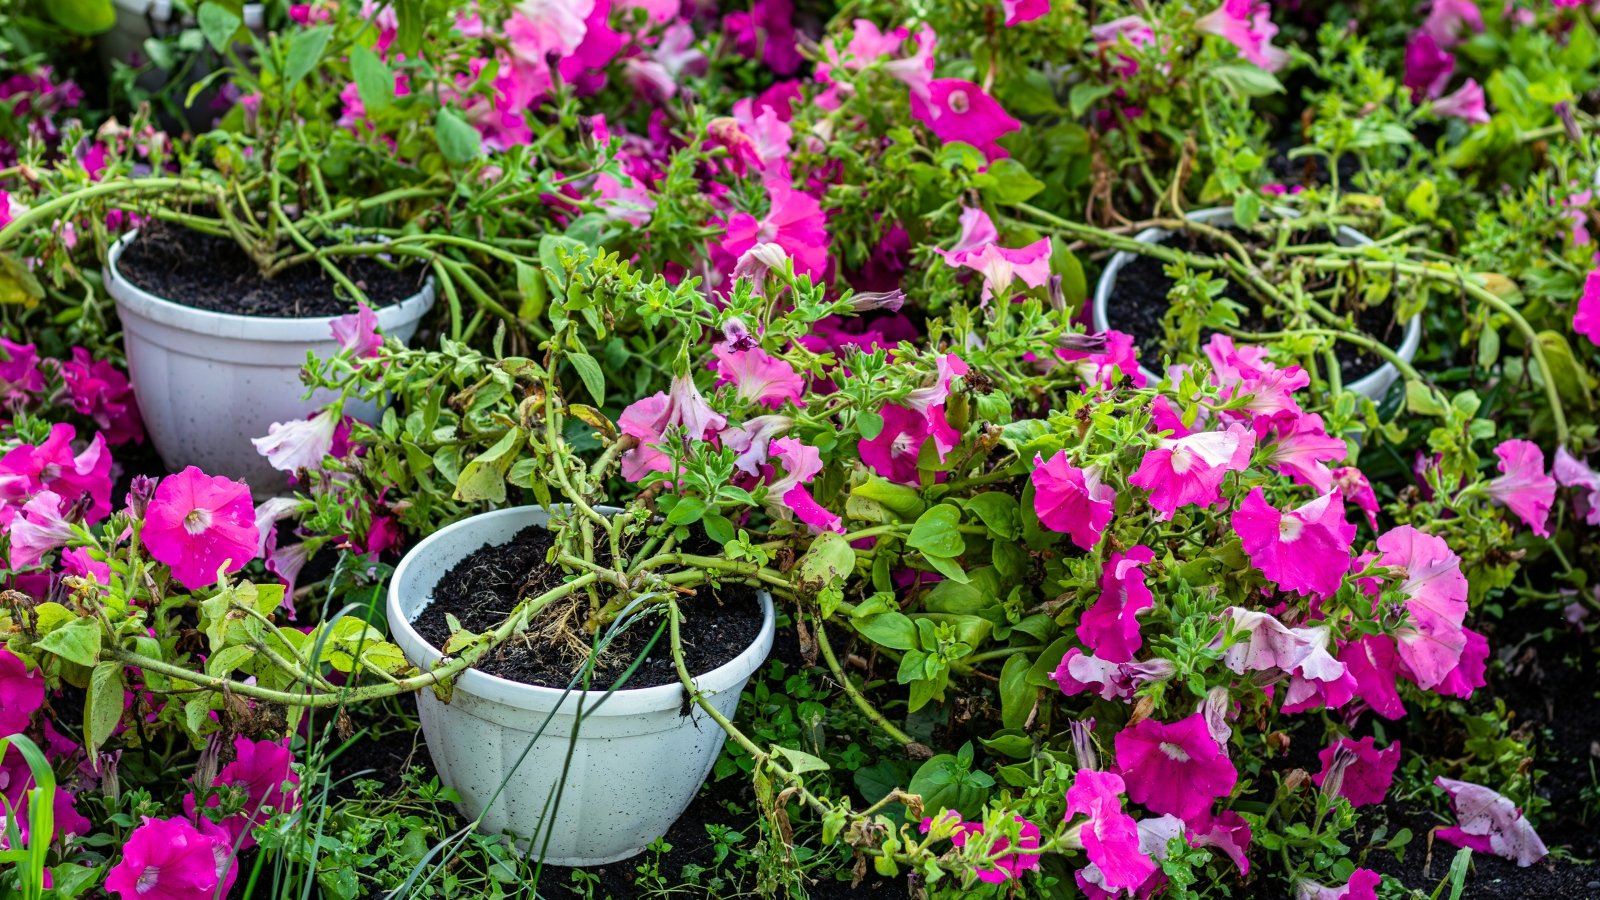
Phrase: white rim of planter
pixel 1368 384
pixel 624 701
pixel 310 329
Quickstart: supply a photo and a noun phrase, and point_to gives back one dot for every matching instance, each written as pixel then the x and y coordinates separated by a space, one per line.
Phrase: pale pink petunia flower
pixel 758 377
pixel 1569 471
pixel 1363 885
pixel 1176 767
pixel 1488 822
pixel 1247 25
pixel 1305 550
pixel 1080 672
pixel 1466 103
pixel 1226 831
pixel 39 529
pixel 1449 20
pixel 1431 642
pixel 301 444
pixel 1071 500
pixel 357 332
pixel 648 420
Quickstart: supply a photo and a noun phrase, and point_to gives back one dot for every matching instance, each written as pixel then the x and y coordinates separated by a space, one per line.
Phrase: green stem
pixel 856 697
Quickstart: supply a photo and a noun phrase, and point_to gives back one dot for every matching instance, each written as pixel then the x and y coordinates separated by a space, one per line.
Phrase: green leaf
pixel 800 762
pixel 948 782
pixel 1084 94
pixel 891 629
pixel 718 528
pixel 459 142
pixel 374 81
pixel 18 285
pixel 1247 209
pixel 218 23
pixel 999 513
pixel 593 378
pixel 1010 743
pixel 1247 79
pixel 77 641
pixel 936 534
pixel 103 710
pixel 1016 694
pixel 531 287
pixel 410 26
pixel 83 16
pixel 1424 400
pixel 305 51
pixel 829 561
pixel 686 511
pixel 1012 183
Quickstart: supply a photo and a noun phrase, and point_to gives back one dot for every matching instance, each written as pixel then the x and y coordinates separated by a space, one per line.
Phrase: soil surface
pixel 719 623
pixel 1139 303
pixel 213 273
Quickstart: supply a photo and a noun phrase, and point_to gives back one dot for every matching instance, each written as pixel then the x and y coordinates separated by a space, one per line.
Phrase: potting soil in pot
pixel 215 274
pixel 1139 303
pixel 481 590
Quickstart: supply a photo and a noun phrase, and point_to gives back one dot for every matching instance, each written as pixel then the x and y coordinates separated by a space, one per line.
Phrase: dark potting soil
pixel 213 273
pixel 719 623
pixel 1139 303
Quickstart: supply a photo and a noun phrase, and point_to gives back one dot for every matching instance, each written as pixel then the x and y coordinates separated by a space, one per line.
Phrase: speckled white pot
pixel 637 763
pixel 208 382
pixel 1374 385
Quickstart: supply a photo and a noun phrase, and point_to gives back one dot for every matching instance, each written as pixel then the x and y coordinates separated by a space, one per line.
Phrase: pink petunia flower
pixel 1175 768
pixel 1586 319
pixel 1305 550
pixel 977 248
pixel 1227 831
pixel 1373 664
pixel 19 368
pixel 767 33
pixel 1019 11
pixel 170 859
pixel 1247 25
pixel 1110 836
pixel 1071 500
pixel 1080 672
pixel 1431 642
pixel 1110 627
pixel 1363 885
pixel 758 377
pixel 197 523
pixel 1354 486
pixel 39 529
pixel 1269 645
pixel 357 332
pixel 1489 823
pixel 1119 359
pixel 263 771
pixel 1357 770
pixel 21 693
pixel 1466 103
pixel 1569 471
pixel 957 110
pixel 1189 470
pixel 801 463
pixel 301 444
pixel 1449 19
pixel 794 221
pixel 648 420
pixel 1524 488
pixel 894 452
pixel 1155 836
pixel 1243 370
pixel 26 470
pixel 99 390
pixel 1300 447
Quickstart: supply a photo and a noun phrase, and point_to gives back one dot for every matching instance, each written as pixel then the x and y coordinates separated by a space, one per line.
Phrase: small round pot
pixel 638 760
pixel 208 382
pixel 1374 385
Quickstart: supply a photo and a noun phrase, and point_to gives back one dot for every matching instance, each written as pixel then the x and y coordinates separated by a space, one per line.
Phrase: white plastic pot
pixel 638 760
pixel 208 382
pixel 1373 385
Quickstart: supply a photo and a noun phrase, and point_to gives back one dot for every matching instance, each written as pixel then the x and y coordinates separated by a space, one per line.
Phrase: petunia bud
pixel 737 334
pixel 1083 748
pixel 867 301
pixel 140 490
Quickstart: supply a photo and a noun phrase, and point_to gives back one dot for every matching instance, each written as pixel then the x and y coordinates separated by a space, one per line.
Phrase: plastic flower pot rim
pixel 1374 382
pixel 310 329
pixel 622 702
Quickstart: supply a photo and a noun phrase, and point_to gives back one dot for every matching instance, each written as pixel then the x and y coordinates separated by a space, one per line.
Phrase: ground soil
pixel 719 623
pixel 1140 302
pixel 213 273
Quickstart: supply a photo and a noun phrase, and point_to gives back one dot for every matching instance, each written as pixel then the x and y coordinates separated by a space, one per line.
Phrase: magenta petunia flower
pixel 357 332
pixel 1189 470
pixel 1176 767
pixel 1110 836
pixel 794 221
pixel 1569 471
pixel 767 33
pixel 1354 486
pixel 1155 836
pixel 21 693
pixel 1019 11
pixel 1110 627
pixel 1300 447
pixel 1247 25
pixel 264 771
pixel 301 444
pixel 1071 500
pixel 169 859
pixel 1428 67
pixel 758 377
pixel 1357 770
pixel 1431 642
pixel 893 453
pixel 648 420
pixel 1372 662
pixel 1586 319
pixel 26 470
pixel 1523 487
pixel 39 529
pixel 1468 675
pixel 19 363
pixel 198 523
pixel 1305 550
pixel 1448 20
pixel 957 110
pixel 1489 823
pixel 801 463
pixel 1226 831
pixel 1363 885
pixel 1244 370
